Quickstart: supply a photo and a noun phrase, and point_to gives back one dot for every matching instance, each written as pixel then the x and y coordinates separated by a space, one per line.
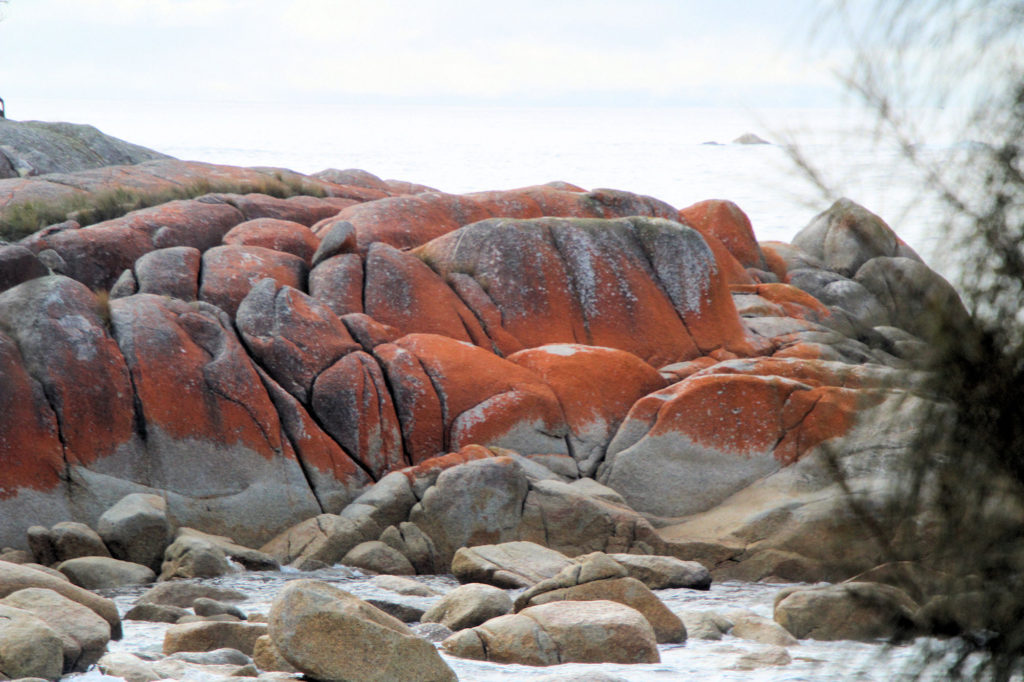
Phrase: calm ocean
pixel 655 151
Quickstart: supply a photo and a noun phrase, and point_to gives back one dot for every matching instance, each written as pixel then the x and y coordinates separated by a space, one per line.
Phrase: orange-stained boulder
pixel 507 203
pixel 60 330
pixel 794 302
pixel 402 292
pixel 416 402
pixel 299 209
pixel 368 332
pixel 486 312
pixel 294 337
pixel 730 225
pixel 776 263
pixel 336 478
pixel 644 285
pixel 212 437
pixel 352 402
pixel 595 387
pixel 31 454
pixel 274 233
pixel 96 256
pixel 686 448
pixel 230 271
pixel 402 222
pixel 488 400
pixel 173 272
pixel 616 203
pixel 338 283
pixel 733 272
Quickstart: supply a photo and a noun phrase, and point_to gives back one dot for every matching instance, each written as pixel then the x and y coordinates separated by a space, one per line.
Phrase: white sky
pixel 645 52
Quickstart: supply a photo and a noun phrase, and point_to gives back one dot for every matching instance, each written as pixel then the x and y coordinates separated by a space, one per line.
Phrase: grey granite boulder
pixel 137 529
pixel 84 635
pixel 312 622
pixel 98 572
pixel 28 646
pixel 560 632
pixel 468 606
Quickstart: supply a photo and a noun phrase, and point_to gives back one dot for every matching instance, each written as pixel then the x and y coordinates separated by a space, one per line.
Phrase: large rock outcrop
pixel 544 364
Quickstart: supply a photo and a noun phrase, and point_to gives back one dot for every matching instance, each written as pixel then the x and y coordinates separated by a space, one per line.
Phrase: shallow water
pixel 694 659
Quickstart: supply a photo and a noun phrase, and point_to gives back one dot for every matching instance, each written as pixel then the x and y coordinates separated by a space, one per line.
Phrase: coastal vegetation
pixel 21 219
pixel 955 67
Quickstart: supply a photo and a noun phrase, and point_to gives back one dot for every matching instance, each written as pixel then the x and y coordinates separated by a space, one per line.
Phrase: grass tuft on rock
pixel 24 218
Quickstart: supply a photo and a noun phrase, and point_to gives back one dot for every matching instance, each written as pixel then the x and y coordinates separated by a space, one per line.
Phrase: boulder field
pixel 260 363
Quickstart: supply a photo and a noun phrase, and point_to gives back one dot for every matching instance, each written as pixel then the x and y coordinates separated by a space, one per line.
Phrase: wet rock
pixel 28 646
pixel 432 632
pixel 97 573
pixel 182 594
pixel 250 559
pixel 208 636
pixel 84 635
pixel 469 605
pixel 204 606
pixel 224 656
pixel 137 529
pixel 599 577
pixel 664 572
pixel 127 666
pixel 266 656
pixel 156 613
pixel 407 613
pixel 705 624
pixel 190 556
pixel 310 621
pixel 508 565
pixel 858 611
pixel 378 557
pixel 560 632
pixel 759 629
pixel 14 577
pixel 763 658
pixel 406 586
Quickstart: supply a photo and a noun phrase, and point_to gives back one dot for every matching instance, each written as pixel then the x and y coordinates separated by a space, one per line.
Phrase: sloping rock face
pixel 508 352
pixel 37 147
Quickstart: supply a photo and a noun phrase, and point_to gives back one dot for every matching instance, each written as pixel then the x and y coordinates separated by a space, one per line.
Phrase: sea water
pixel 691 660
pixel 661 152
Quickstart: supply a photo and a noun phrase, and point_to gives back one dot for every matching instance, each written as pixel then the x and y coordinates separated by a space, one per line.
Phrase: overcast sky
pixel 643 52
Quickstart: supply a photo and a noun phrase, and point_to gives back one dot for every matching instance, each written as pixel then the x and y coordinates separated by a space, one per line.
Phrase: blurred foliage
pixel 918 66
